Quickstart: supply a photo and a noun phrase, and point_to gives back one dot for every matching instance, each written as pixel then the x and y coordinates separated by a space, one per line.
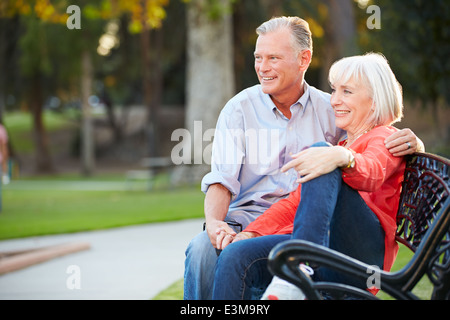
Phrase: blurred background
pixel 101 86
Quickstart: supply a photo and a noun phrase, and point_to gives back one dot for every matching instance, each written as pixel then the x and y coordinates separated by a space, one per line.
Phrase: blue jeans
pixel 199 268
pixel 200 263
pixel 330 213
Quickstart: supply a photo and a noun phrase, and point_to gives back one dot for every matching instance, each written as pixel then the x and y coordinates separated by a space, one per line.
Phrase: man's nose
pixel 264 66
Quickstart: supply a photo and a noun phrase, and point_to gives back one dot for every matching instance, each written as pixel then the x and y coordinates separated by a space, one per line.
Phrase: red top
pixel 377 176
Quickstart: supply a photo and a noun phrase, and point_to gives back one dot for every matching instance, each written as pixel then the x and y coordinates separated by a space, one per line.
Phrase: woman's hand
pixel 314 162
pixel 224 238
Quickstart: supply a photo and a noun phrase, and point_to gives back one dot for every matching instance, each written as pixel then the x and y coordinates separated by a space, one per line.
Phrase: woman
pixel 349 193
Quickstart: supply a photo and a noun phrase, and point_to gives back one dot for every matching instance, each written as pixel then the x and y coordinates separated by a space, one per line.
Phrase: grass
pixel 423 289
pixel 52 207
pixel 19 125
pixel 173 292
pixel 58 204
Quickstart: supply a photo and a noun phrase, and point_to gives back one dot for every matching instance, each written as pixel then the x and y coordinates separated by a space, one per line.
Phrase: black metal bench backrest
pixel 426 187
pixel 423 217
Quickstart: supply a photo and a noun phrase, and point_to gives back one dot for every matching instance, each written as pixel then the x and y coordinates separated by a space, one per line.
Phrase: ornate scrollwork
pixel 425 189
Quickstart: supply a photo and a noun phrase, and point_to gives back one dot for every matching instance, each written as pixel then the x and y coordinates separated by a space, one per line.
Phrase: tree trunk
pixel 340 35
pixel 151 43
pixel 210 78
pixel 44 162
pixel 87 128
pixel 273 7
pixel 147 87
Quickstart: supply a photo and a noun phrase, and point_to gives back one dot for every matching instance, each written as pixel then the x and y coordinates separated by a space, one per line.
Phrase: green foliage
pixel 217 8
pixel 34 58
pixel 20 125
pixel 214 9
pixel 415 37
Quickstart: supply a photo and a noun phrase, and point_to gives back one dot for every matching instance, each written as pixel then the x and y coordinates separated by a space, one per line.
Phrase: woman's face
pixel 352 106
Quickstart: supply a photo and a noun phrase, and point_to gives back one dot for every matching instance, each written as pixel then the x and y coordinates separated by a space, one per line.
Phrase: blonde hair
pixel 372 70
pixel 299 28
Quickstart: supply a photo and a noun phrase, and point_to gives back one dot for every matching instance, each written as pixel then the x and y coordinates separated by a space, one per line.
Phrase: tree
pixel 333 28
pixel 340 35
pixel 415 37
pixel 210 76
pixel 35 65
pixel 145 16
pixel 82 29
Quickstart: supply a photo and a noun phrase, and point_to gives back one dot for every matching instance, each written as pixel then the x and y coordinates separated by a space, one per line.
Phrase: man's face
pixel 277 65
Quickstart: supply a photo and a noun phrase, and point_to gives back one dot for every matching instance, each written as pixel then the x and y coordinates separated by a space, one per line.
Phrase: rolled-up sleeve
pixel 228 152
pixel 227 180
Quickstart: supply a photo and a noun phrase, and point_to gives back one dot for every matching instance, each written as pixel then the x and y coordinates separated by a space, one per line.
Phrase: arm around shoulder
pixel 404 142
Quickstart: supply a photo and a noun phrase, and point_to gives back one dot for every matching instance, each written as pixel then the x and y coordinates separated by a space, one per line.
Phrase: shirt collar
pixel 301 102
pixel 305 97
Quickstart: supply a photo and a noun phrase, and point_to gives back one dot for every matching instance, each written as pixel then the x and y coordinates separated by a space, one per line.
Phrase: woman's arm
pixel 314 162
pixel 372 160
pixel 373 166
pixel 279 218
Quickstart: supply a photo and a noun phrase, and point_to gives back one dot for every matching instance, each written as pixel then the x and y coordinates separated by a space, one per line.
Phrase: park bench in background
pixel 151 166
pixel 423 221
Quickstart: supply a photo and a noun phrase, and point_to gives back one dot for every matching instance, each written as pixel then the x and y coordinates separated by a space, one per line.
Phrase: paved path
pixel 134 262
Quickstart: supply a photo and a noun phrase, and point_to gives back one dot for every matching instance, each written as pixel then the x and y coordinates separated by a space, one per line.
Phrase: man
pixel 284 112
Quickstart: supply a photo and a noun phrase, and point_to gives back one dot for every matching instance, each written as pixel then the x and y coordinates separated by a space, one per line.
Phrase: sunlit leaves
pixel 53 12
pixel 144 14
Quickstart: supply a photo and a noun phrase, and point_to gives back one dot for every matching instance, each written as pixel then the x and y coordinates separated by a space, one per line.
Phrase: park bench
pixel 423 226
pixel 151 166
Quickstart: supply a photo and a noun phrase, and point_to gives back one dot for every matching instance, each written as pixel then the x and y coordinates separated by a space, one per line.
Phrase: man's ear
pixel 305 59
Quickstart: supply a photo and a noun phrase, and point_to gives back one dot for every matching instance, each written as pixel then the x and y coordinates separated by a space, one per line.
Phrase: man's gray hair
pixel 299 28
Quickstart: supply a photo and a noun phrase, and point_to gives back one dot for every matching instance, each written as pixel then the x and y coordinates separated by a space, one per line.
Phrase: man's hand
pixel 404 142
pixel 217 202
pixel 224 238
pixel 213 229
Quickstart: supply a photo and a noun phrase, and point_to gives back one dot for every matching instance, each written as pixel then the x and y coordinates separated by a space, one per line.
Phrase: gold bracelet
pixel 351 161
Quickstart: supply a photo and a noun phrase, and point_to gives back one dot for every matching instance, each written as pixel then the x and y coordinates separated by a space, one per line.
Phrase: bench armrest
pixel 285 258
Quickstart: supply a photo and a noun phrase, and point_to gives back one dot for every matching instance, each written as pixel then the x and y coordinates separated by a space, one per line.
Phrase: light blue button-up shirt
pixel 253 140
